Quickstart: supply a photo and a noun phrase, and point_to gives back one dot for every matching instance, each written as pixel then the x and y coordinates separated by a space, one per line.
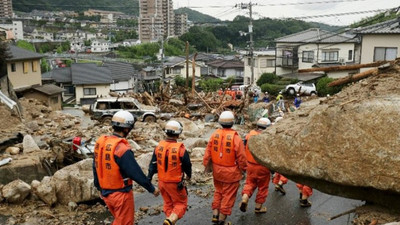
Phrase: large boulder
pixel 29 144
pixel 45 190
pixel 191 143
pixel 346 145
pixel 74 183
pixel 144 161
pixel 188 125
pixel 16 191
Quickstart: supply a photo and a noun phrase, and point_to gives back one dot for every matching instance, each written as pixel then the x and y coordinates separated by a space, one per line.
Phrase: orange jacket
pixel 223 153
pixel 220 92
pixel 222 173
pixel 249 156
pixel 172 172
pixel 107 169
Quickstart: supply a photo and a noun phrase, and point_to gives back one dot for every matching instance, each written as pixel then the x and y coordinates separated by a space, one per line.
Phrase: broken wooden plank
pixel 353 78
pixel 341 68
pixel 342 214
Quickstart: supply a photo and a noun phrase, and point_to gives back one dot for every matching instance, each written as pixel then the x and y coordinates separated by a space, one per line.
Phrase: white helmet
pixel 263 122
pixel 226 118
pixel 123 119
pixel 173 127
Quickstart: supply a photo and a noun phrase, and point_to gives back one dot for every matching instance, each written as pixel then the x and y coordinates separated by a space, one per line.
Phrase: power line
pixel 191 7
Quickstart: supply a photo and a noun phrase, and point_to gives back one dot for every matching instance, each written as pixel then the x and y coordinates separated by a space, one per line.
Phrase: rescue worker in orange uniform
pixel 225 151
pixel 114 168
pixel 305 192
pixel 220 92
pixel 279 180
pixel 170 160
pixel 258 176
pixel 233 94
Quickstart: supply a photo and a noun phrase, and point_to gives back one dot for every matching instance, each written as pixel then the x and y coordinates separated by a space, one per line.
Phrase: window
pixel 249 61
pixel 308 56
pixel 381 53
pixel 350 55
pixel 13 68
pixel 263 63
pixel 270 62
pixel 130 105
pixel 89 91
pixel 25 65
pixel 34 66
pixel 102 105
pixel 330 56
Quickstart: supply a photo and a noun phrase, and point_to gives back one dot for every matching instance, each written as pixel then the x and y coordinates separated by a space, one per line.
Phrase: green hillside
pixel 126 6
pixel 196 16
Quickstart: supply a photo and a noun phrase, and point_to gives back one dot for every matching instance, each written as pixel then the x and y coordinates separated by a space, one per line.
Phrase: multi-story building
pixel 6 8
pixel 16 27
pixel 156 20
pixel 181 25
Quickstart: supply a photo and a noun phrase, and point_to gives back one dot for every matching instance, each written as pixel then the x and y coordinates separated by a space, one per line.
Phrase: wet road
pixel 282 210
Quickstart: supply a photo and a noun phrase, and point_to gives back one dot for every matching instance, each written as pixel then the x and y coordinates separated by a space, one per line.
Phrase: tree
pixel 203 39
pixel 269 78
pixel 4 55
pixel 26 45
pixel 211 85
pixel 44 66
pixel 323 89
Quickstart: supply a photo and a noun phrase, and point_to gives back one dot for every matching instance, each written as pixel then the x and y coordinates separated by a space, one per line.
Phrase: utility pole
pixel 251 50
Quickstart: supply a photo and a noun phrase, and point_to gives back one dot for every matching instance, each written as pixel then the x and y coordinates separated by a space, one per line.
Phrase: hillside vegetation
pixel 126 6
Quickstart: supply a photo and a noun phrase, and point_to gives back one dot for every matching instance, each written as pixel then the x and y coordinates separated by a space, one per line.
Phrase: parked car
pixel 104 108
pixel 302 88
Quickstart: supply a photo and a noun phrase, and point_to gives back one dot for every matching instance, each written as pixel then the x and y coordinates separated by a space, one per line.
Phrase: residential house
pixel 23 68
pixel 6 35
pixel 77 45
pixel 316 48
pixel 90 81
pixel 176 66
pixel 122 75
pixel 41 34
pixel 149 77
pixel 62 77
pixel 380 41
pixel 100 46
pixel 227 68
pixel 131 42
pixel 48 93
pixel 16 27
pixel 264 62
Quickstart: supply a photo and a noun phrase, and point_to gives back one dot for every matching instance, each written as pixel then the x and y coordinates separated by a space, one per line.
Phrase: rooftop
pixel 387 27
pixel 120 71
pixel 49 89
pixel 90 73
pixel 316 35
pixel 17 54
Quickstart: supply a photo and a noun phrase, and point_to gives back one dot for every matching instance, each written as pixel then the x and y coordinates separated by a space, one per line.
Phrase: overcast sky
pixel 228 12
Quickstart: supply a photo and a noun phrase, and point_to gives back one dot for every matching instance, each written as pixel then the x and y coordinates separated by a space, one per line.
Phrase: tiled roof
pixel 59 75
pixel 220 63
pixel 90 73
pixel 316 35
pixel 120 71
pixel 17 54
pixel 49 89
pixel 387 27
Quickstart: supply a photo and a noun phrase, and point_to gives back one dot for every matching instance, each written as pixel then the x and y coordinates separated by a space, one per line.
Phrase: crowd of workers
pixel 226 155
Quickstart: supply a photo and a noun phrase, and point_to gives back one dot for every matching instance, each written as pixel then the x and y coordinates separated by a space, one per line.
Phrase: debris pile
pixel 344 145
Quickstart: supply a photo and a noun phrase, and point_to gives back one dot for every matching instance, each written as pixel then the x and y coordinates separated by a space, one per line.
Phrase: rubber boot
pixel 305 203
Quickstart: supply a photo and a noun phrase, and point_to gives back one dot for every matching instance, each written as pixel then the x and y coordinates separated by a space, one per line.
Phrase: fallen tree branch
pixel 341 68
pixel 208 106
pixel 343 213
pixel 353 78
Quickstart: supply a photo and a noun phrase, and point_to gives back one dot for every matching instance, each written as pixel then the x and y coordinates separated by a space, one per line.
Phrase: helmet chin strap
pixel 126 132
